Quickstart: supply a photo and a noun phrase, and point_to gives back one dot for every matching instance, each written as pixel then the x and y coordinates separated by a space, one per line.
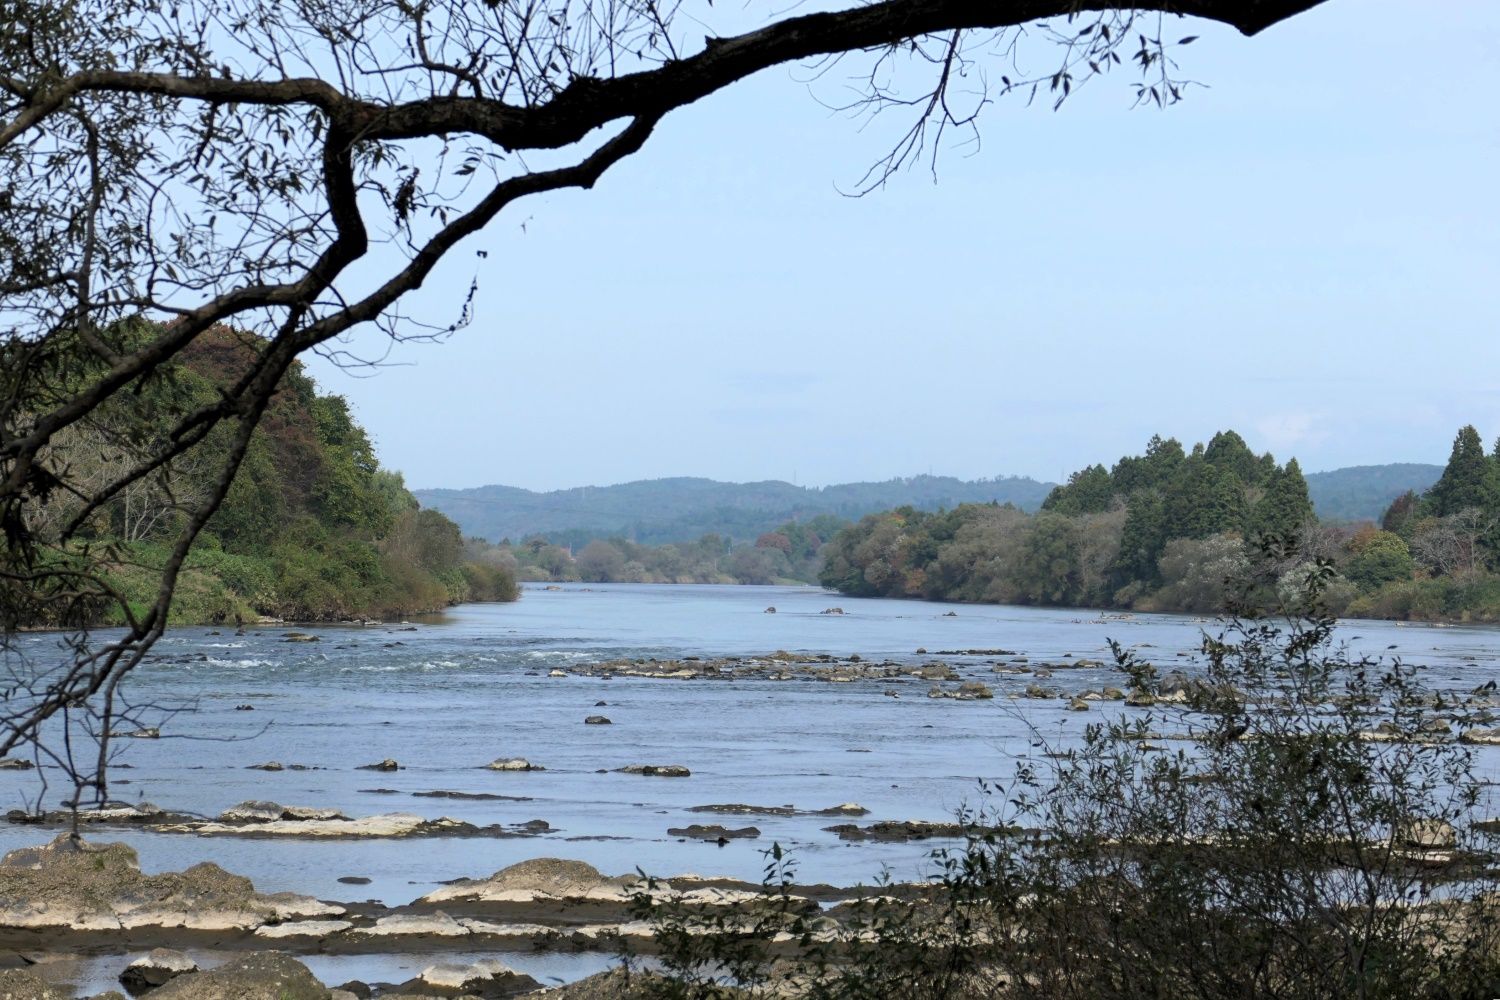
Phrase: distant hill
pixel 655 511
pixel 1363 492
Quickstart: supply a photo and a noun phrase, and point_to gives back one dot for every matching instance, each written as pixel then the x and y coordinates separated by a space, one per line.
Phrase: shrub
pixel 1279 851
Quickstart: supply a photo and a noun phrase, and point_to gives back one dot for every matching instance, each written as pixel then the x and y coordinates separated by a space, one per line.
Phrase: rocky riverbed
pixel 667 729
pixel 75 896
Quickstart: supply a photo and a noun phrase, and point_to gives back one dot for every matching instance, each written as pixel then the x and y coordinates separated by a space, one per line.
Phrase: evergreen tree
pixel 1228 450
pixel 1206 500
pixel 1401 514
pixel 1285 508
pixel 1088 491
pixel 1153 470
pixel 1469 480
pixel 1142 539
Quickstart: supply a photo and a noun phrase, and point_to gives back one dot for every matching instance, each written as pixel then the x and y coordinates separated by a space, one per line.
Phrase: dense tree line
pixel 312 528
pixel 1437 554
pixel 1166 529
pixel 792 553
pixel 1161 530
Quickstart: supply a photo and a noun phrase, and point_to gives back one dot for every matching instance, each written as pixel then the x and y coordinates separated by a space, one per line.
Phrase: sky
pixel 1305 250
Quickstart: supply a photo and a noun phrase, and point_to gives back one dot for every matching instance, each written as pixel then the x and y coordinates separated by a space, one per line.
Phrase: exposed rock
pixel 15 764
pixel 1038 692
pixel 17 984
pixel 656 770
pixel 353 880
pixel 844 809
pixel 513 764
pixel 831 611
pixel 618 984
pixel 973 691
pixel 385 765
pixel 270 765
pixel 73 885
pixel 381 826
pixel 270 812
pixel 313 929
pixel 1138 698
pixel 937 672
pixel 715 832
pixel 1113 694
pixel 155 969
pixel 1480 737
pixel 771 610
pixel 299 637
pixel 443 793
pixel 1078 705
pixel 597 720
pixel 407 925
pixel 548 877
pixel 257 976
pixel 486 978
pixel 1171 682
pixel 898 831
pixel 1427 834
pixel 737 809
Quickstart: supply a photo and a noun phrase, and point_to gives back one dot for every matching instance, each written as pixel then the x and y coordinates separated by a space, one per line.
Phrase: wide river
pixel 445 697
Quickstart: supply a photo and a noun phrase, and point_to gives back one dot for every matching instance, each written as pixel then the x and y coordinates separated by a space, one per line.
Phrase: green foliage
pixel 792 553
pixel 1088 491
pixel 312 527
pixel 1284 509
pixel 1470 478
pixel 1276 851
pixel 1384 559
pixel 1099 540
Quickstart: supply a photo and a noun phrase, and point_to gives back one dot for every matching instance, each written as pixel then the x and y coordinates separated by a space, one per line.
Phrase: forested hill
pixel 312 529
pixel 1363 492
pixel 654 511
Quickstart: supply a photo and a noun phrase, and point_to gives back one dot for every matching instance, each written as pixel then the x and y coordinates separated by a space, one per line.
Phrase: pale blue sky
pixel 1307 251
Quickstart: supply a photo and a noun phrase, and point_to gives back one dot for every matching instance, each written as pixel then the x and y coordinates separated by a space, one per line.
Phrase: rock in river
pixel 259 974
pixel 656 770
pixel 597 720
pixel 715 832
pixel 156 969
pixel 486 978
pixel 513 764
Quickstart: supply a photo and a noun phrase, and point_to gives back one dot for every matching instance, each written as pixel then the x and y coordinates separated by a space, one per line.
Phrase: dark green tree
pixel 1142 540
pixel 1228 450
pixel 1469 480
pixel 1384 559
pixel 1207 499
pixel 1284 509
pixel 1088 491
pixel 1153 470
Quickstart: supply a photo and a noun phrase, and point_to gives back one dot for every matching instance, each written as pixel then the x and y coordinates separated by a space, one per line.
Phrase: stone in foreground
pixel 158 968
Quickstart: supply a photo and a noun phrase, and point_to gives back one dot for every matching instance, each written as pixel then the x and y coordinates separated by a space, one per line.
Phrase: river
pixel 445 697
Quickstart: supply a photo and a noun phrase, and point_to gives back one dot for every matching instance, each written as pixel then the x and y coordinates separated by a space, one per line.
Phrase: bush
pixel 1279 851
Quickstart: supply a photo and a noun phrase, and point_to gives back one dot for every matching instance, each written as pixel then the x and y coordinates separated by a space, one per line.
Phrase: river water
pixel 445 697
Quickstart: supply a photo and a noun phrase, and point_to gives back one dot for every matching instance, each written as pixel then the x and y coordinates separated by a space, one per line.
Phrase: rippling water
pixel 446 697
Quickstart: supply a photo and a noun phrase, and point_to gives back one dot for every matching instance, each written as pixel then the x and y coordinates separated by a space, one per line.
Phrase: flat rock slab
pixel 72 885
pixel 656 770
pixel 714 832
